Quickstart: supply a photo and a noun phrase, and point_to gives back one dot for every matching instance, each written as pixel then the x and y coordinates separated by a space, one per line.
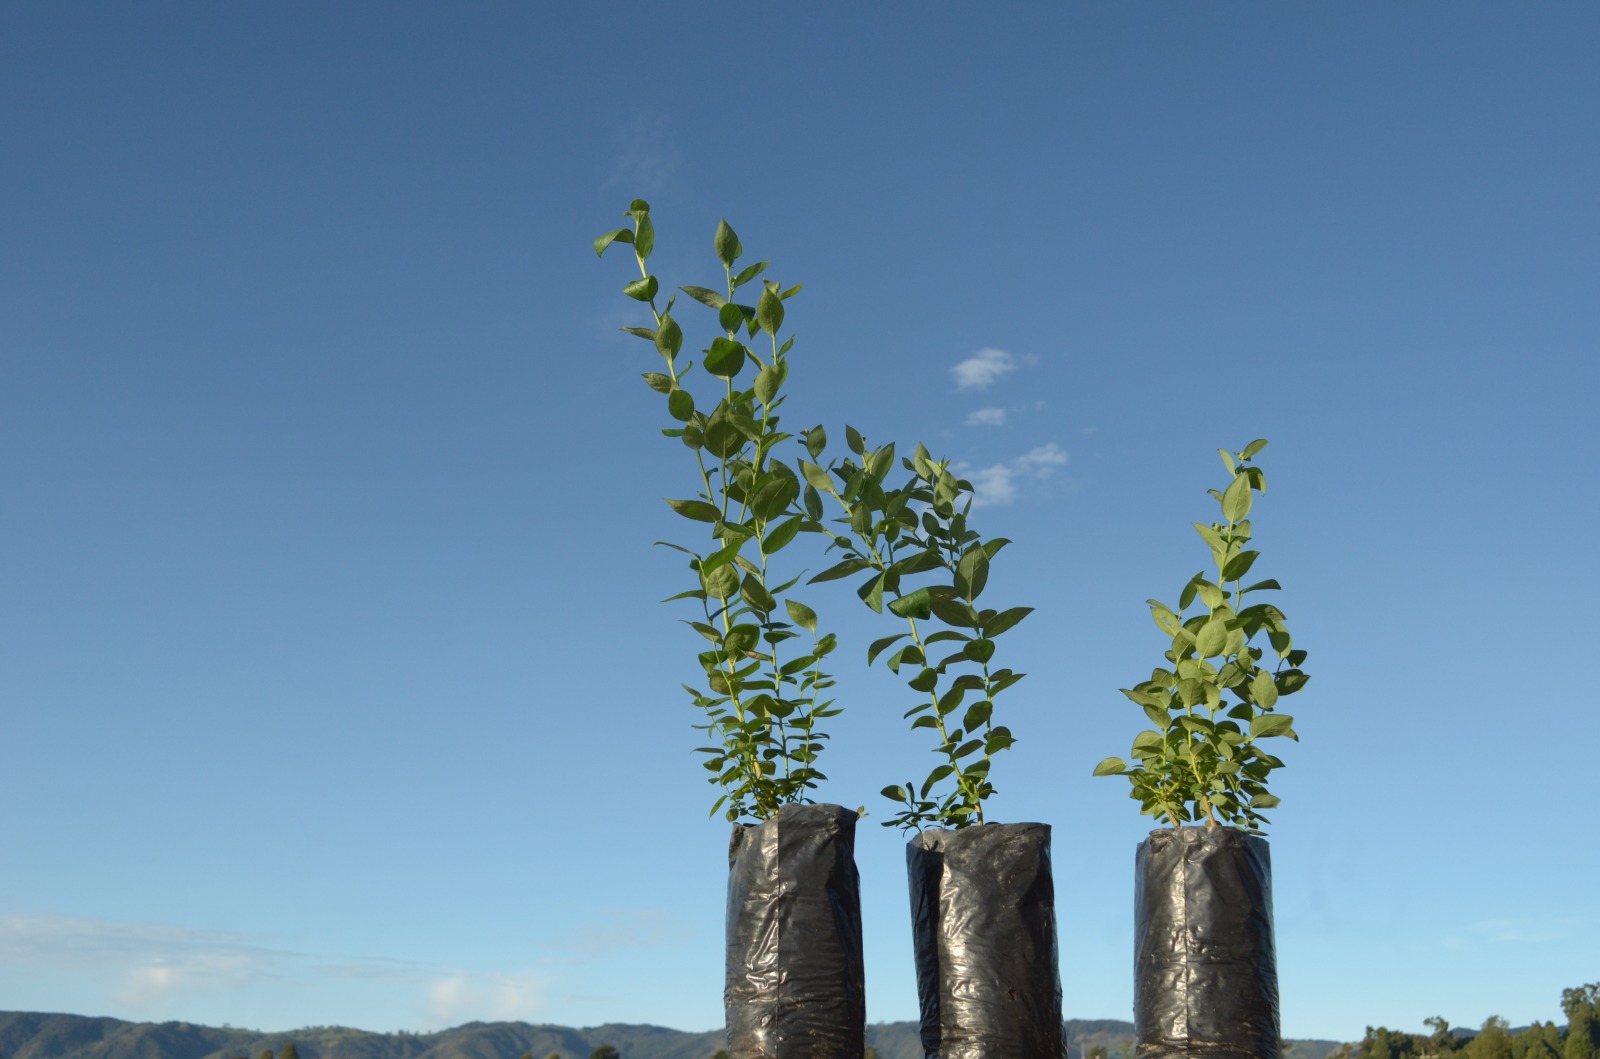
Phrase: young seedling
pixel 896 534
pixel 762 697
pixel 1214 701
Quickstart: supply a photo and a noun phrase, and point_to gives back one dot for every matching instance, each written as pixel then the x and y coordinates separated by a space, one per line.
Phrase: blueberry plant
pixel 900 535
pixel 1216 698
pixel 761 693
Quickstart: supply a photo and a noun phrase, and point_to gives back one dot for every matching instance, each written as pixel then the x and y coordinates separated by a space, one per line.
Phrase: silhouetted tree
pixel 289 1051
pixel 1580 1005
pixel 605 1051
pixel 1492 1042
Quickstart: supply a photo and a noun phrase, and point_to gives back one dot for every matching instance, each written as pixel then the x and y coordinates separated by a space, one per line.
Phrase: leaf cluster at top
pixel 913 540
pixel 898 535
pixel 1214 700
pixel 761 695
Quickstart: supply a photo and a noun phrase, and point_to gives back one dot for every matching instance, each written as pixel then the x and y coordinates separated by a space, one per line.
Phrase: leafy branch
pixel 1195 763
pixel 897 533
pixel 761 704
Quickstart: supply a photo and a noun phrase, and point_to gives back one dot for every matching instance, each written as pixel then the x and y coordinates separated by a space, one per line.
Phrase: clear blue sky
pixel 335 689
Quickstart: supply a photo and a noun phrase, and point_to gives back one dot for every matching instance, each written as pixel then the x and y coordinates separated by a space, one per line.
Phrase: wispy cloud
pixel 1515 929
pixel 647 155
pixel 149 961
pixel 979 371
pixel 623 928
pixel 159 967
pixel 998 485
pixel 987 417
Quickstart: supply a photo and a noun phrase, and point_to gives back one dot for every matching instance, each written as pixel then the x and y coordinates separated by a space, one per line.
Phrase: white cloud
pixel 981 369
pixel 464 997
pixel 987 417
pixel 997 485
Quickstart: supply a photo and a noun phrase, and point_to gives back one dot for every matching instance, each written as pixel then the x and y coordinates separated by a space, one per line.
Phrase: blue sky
pixel 335 687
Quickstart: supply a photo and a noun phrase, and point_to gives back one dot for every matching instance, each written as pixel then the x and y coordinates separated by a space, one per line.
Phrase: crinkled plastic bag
pixel 983 917
pixel 1205 965
pixel 796 986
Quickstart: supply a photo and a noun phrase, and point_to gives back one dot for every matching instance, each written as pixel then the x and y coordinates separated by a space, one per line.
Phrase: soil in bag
pixel 1205 966
pixel 795 980
pixel 983 919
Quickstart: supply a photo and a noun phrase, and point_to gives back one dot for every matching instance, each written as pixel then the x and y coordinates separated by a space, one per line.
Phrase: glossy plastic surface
pixel 983 917
pixel 1205 965
pixel 795 980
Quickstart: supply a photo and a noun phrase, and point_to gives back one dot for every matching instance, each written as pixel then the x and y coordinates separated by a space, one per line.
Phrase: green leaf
pixel 644 240
pixel 769 379
pixel 621 235
pixel 871 593
pixel 1270 724
pixel 1254 447
pixel 723 582
pixel 731 317
pixel 722 437
pixel 724 358
pixel 705 296
pixel 1261 586
pixel 913 605
pixel 1236 500
pixel 1005 620
pixel 1211 638
pixel 801 615
pixel 1212 538
pixel 749 273
pixel 816 441
pixel 753 592
pixel 853 438
pixel 1238 566
pixel 1111 766
pixel 895 793
pixel 972 573
pixel 977 715
pixel 980 651
pixel 642 289
pixel 819 478
pixel 1227 460
pixel 780 535
pixel 1164 617
pixel 769 311
pixel 926 680
pixel 680 405
pixel 642 332
pixel 954 612
pixel 774 498
pixel 698 510
pixel 656 381
pixel 878 646
pixel 842 569
pixel 1263 691
pixel 727 244
pixel 669 337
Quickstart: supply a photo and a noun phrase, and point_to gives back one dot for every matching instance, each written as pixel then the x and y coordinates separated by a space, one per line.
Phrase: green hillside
pixel 32 1035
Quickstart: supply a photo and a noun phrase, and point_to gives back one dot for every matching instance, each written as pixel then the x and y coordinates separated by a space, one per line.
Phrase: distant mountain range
pixel 32 1035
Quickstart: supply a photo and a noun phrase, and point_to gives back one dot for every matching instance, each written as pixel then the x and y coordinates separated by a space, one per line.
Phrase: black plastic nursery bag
pixel 796 986
pixel 1205 965
pixel 983 919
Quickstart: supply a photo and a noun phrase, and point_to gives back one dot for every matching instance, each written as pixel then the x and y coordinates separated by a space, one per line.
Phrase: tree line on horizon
pixel 1579 1039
